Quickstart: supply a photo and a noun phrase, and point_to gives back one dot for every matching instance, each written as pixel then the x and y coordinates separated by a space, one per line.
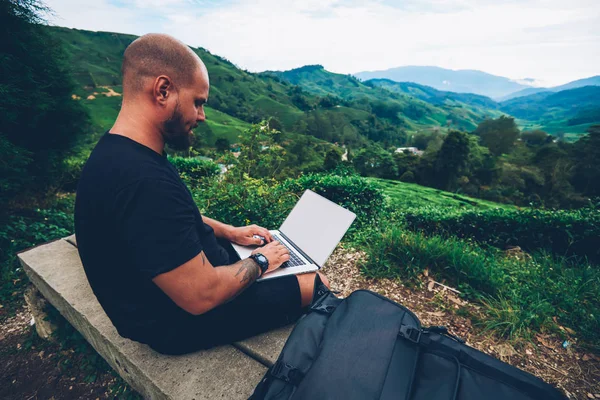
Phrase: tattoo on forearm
pixel 249 271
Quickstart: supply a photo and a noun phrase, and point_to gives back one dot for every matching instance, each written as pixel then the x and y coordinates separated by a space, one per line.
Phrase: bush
pixel 268 202
pixel 193 169
pixel 23 231
pixel 245 201
pixel 563 232
pixel 408 177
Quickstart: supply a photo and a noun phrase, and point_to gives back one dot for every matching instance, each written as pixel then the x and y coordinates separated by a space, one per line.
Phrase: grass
pixel 520 295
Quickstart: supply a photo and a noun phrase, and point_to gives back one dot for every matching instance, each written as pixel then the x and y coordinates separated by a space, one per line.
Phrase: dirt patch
pixel 32 368
pixel 570 369
pixel 110 92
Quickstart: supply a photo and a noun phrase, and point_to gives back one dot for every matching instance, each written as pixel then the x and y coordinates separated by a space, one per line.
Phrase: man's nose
pixel 201 117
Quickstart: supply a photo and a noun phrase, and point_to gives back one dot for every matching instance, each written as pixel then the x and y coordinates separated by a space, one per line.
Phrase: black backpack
pixel 368 347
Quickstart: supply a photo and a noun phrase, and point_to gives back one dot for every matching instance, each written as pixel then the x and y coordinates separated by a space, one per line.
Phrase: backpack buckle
pixel 410 333
pixel 287 373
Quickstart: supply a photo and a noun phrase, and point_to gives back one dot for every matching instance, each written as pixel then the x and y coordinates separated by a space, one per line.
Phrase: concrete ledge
pixel 229 372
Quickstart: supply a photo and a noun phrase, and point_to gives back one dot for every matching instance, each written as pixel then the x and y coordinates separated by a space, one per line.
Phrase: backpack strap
pixel 420 337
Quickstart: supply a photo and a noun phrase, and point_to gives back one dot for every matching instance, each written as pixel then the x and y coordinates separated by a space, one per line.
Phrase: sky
pixel 551 41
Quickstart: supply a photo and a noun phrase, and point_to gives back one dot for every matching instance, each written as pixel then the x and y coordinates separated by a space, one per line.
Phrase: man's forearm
pixel 221 230
pixel 235 278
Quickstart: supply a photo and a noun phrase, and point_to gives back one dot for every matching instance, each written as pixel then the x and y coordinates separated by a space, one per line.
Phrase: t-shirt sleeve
pixel 157 224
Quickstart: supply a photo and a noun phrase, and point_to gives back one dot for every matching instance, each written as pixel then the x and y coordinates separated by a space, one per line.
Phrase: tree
pixel 375 161
pixel 333 158
pixel 222 144
pixel 587 165
pixel 535 137
pixel 39 121
pixel 259 155
pixel 451 160
pixel 498 135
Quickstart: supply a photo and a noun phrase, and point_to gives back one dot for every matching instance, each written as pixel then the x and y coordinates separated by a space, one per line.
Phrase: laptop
pixel 310 232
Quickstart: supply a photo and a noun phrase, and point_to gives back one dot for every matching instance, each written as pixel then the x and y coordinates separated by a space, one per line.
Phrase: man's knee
pixel 307 285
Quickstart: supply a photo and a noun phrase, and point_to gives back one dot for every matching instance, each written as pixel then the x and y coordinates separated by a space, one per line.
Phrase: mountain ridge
pixel 459 81
pixel 590 81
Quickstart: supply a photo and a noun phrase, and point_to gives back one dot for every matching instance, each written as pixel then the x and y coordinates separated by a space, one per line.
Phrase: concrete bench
pixel 227 372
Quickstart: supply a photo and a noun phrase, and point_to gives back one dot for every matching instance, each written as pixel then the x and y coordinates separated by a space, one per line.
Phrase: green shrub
pixel 408 177
pixel 267 202
pixel 193 169
pixel 563 232
pixel 20 232
pixel 243 202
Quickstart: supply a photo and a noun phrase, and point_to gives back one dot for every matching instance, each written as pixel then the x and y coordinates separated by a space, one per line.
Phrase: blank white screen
pixel 316 225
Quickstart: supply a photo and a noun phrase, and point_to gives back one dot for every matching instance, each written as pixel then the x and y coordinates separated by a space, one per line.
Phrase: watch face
pixel 262 258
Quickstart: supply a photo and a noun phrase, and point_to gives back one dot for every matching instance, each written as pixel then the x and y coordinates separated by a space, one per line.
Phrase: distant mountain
pixel 591 81
pixel 459 81
pixel 434 96
pixel 568 110
pixel 419 106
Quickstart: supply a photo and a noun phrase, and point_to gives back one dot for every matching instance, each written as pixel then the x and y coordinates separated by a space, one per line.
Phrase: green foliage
pixel 519 295
pixel 193 169
pixel 38 118
pixel 245 200
pixel 333 158
pixel 376 162
pixel 535 137
pixel 408 177
pixel 560 232
pixel 587 166
pixel 24 230
pixel 451 160
pixel 498 135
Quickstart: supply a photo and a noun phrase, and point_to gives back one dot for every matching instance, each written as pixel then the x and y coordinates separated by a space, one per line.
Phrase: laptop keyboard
pixel 294 260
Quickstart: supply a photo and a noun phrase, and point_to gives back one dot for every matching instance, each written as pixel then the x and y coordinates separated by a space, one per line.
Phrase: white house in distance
pixel 412 150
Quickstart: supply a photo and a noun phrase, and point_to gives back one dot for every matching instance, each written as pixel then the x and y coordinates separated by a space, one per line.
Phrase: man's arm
pixel 221 230
pixel 241 235
pixel 198 287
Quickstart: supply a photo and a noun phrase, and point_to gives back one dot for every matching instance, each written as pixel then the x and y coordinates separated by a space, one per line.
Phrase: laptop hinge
pixel 298 250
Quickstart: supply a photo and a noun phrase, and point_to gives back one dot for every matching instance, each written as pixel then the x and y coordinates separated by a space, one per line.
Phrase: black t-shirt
pixel 136 219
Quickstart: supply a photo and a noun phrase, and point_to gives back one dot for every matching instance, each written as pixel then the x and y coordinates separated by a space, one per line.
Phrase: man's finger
pixel 265 233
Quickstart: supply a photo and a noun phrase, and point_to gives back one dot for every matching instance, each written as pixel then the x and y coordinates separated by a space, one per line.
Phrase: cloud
pixel 546 39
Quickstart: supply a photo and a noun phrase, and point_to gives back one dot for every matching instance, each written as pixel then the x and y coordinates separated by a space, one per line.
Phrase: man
pixel 157 267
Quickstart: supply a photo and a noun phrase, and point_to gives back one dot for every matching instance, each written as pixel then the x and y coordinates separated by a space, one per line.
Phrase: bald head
pixel 156 54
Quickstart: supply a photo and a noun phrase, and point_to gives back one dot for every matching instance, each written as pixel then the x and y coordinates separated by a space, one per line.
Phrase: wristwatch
pixel 262 262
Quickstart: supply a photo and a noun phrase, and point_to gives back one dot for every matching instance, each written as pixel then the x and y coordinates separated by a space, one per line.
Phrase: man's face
pixel 187 113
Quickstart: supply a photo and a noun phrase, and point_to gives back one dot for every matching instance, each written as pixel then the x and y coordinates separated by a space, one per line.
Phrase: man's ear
pixel 163 88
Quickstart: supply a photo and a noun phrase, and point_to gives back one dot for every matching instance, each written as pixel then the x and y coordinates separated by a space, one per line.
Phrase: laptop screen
pixel 316 225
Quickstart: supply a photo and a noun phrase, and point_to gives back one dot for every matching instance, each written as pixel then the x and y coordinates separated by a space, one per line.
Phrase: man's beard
pixel 175 133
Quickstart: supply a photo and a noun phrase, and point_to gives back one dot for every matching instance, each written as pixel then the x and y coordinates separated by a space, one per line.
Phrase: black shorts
pixel 263 306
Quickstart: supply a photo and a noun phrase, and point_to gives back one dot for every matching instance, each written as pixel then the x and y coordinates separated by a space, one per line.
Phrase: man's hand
pixel 244 236
pixel 276 253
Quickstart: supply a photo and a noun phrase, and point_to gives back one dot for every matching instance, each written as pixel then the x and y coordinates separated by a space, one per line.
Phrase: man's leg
pixel 307 284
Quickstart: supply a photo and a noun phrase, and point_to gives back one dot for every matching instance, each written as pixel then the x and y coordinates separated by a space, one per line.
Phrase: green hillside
pixel 416 111
pixel 406 195
pixel 569 112
pixel 243 96
pixel 333 107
